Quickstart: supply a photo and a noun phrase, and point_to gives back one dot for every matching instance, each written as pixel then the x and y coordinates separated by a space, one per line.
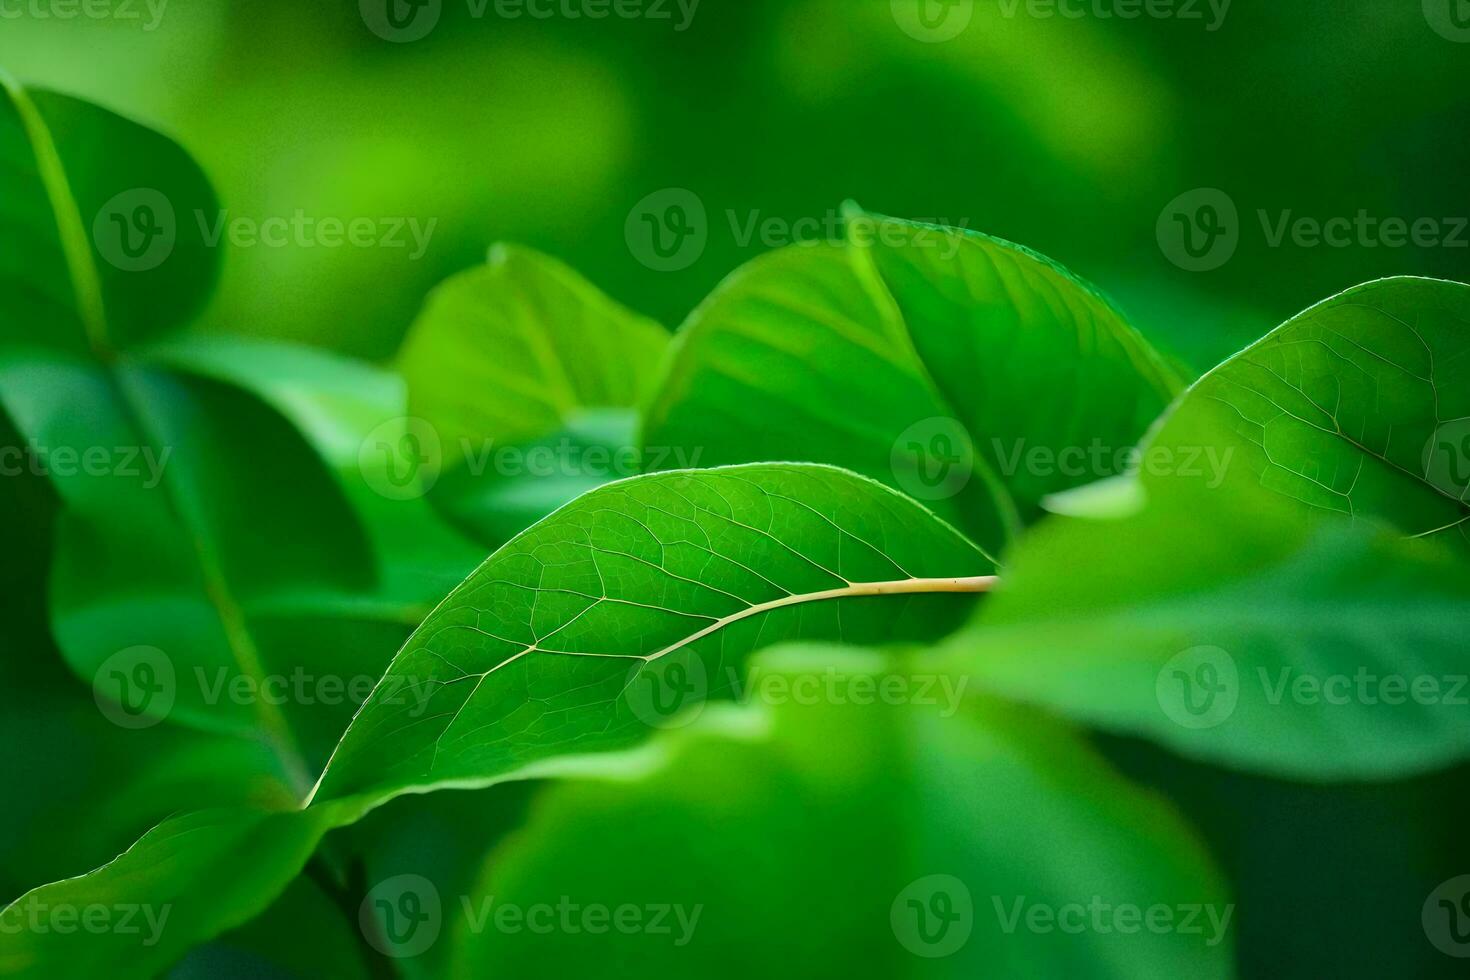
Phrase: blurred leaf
pixel 935 359
pixel 510 362
pixel 304 935
pixel 343 408
pixel 989 843
pixel 157 580
pixel 187 880
pixel 1358 407
pixel 637 600
pixel 98 246
pixel 1239 636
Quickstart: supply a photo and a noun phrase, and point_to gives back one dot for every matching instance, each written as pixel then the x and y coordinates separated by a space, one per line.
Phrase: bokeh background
pixel 1068 134
pixel 1072 135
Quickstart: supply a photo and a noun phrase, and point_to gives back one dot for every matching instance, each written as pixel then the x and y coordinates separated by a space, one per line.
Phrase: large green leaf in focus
pixel 524 388
pixel 1237 634
pixel 1359 407
pixel 101 231
pixel 882 839
pixel 587 631
pixel 968 372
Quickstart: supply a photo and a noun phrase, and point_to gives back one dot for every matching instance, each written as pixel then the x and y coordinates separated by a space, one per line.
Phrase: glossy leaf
pixel 1359 407
pixel 101 237
pixel 519 359
pixel 595 626
pixel 966 371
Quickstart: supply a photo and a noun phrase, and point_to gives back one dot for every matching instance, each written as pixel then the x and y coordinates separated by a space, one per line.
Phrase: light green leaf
pixel 1240 636
pixel 517 354
pixel 588 631
pixel 101 245
pixel 1359 407
pixel 968 372
pixel 928 844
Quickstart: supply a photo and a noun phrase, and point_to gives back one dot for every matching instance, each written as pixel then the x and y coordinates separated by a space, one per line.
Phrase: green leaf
pixel 187 880
pixel 518 360
pixel 1359 407
pixel 968 372
pixel 1240 636
pixel 346 409
pixel 101 240
pixel 571 638
pixel 927 842
pixel 162 595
